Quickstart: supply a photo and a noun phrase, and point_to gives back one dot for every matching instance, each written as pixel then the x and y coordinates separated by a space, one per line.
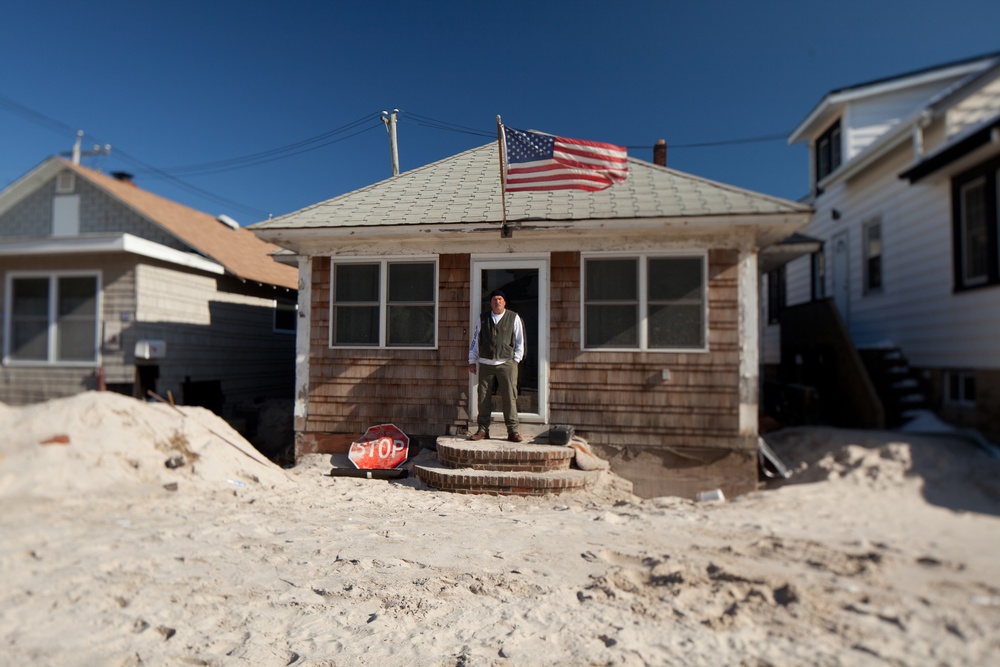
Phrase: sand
pixel 881 549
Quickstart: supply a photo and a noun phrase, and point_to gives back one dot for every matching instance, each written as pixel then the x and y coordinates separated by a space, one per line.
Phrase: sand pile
pixel 105 442
pixel 879 550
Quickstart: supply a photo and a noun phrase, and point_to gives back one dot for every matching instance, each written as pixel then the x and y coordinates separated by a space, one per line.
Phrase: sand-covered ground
pixel 881 549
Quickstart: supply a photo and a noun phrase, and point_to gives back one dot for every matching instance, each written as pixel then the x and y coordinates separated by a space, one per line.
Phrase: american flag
pixel 544 162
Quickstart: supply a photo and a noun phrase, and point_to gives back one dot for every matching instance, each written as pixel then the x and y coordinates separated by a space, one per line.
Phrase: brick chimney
pixel 660 152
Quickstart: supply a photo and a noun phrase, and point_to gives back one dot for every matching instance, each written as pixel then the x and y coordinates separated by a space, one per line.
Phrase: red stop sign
pixel 380 447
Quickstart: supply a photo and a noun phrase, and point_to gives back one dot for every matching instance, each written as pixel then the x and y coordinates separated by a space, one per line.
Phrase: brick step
pixel 501 482
pixel 501 455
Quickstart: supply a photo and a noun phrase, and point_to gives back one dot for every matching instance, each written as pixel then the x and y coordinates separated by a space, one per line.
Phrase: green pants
pixel 506 378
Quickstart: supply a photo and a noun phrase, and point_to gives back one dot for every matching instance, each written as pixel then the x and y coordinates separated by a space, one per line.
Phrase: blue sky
pixel 277 104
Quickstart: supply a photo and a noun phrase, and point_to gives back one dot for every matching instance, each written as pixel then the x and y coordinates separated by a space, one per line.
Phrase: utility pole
pixel 77 152
pixel 390 126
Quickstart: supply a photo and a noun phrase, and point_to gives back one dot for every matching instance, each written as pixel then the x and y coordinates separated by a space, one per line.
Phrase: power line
pixel 726 142
pixel 425 121
pixel 35 116
pixel 296 148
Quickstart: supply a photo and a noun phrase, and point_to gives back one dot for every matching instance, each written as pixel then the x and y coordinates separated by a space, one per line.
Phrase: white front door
pixel 841 276
pixel 525 283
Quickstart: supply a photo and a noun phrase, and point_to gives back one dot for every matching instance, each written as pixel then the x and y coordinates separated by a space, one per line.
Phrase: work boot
pixel 515 437
pixel 480 434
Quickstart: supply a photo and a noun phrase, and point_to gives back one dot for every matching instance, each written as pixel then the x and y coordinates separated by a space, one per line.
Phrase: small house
pixel 109 286
pixel 640 303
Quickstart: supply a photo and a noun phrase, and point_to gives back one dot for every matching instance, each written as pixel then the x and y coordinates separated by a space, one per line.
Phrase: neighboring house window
pixel 828 152
pixel 976 238
pixel 818 272
pixel 872 232
pixel 285 316
pixel 775 294
pixel 384 304
pixel 645 302
pixel 960 388
pixel 53 318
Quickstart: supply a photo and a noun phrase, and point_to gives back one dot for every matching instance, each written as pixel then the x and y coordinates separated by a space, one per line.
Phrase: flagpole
pixel 504 231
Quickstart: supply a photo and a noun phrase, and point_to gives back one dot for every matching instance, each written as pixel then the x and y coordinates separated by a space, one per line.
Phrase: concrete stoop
pixel 504 468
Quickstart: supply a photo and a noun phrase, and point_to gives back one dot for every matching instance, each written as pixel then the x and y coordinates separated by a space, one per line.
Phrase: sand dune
pixel 881 549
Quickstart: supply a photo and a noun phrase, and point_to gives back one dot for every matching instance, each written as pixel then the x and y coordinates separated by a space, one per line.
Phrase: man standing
pixel 497 348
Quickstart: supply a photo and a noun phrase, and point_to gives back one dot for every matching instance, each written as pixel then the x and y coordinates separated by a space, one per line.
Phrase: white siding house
pixel 905 177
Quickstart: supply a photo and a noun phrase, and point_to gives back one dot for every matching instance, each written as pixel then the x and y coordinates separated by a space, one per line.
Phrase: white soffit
pixel 102 244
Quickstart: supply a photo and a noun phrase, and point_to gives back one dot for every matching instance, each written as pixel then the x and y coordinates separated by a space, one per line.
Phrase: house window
pixel 384 304
pixel 960 388
pixel 828 152
pixel 65 182
pixel 285 316
pixel 872 232
pixel 53 318
pixel 974 220
pixel 818 272
pixel 645 303
pixel 775 294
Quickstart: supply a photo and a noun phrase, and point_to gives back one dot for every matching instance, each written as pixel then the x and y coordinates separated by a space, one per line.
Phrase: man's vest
pixel 496 341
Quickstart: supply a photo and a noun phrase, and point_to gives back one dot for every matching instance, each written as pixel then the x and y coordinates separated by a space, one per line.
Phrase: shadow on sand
pixel 954 472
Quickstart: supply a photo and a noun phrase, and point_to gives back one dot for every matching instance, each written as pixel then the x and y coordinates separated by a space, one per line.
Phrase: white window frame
pixel 866 248
pixel 53 319
pixel 383 303
pixel 65 183
pixel 643 276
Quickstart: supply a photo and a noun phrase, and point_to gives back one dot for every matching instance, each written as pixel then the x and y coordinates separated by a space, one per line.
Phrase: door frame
pixel 541 263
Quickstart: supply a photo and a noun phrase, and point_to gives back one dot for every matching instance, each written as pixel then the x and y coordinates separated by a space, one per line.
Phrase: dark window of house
pixel 775 294
pixel 818 271
pixel 54 318
pixel 676 303
pixel 611 303
pixel 355 313
pixel 402 315
pixel 828 152
pixel 960 388
pixel 651 303
pixel 285 315
pixel 411 304
pixel 974 220
pixel 873 255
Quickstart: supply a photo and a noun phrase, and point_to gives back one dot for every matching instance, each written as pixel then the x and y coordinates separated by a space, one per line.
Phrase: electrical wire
pixel 462 129
pixel 425 121
pixel 35 116
pixel 273 154
pixel 726 142
pixel 316 142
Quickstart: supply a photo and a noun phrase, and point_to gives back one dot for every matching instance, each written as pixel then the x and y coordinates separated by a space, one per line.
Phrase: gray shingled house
pixel 640 304
pixel 107 285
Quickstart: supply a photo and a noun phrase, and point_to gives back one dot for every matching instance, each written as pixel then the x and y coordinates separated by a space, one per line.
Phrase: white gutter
pixel 79 245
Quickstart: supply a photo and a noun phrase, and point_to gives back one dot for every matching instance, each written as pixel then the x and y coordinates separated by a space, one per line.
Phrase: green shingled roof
pixel 465 188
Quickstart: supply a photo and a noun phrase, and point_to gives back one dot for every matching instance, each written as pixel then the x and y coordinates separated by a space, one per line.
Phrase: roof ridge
pixel 923 70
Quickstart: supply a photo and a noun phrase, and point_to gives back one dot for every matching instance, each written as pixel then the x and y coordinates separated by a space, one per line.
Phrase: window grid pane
pixel 355 325
pixel 975 249
pixel 611 313
pixel 676 303
pixel 76 327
